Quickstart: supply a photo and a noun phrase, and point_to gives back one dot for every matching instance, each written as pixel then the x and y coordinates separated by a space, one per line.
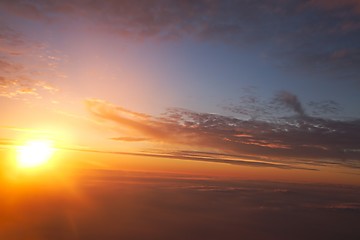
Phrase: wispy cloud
pixel 283 104
pixel 18 78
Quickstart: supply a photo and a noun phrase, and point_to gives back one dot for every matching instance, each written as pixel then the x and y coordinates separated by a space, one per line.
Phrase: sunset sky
pixel 228 90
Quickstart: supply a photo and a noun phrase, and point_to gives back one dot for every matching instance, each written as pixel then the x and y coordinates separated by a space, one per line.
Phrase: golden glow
pixel 35 153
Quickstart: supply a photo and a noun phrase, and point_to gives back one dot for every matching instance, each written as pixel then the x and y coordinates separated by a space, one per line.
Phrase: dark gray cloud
pixel 320 37
pixel 290 101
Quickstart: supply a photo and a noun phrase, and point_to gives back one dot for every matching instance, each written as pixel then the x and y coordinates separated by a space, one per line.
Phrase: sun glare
pixel 35 153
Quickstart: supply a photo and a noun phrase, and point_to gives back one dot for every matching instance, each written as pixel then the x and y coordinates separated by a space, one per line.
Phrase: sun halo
pixel 34 153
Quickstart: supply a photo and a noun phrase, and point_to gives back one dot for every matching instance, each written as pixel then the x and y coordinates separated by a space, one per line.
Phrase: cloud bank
pixel 296 139
pixel 145 205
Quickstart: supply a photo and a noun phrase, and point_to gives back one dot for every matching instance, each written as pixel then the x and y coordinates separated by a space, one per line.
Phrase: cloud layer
pixel 296 139
pixel 145 205
pixel 320 37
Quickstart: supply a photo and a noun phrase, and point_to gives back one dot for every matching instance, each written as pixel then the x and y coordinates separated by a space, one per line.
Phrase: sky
pixel 264 91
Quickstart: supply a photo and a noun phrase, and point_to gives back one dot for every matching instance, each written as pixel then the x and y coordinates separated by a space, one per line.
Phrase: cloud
pixel 241 160
pixel 324 107
pixel 333 5
pixel 349 207
pixel 304 35
pixel 290 101
pixel 20 86
pixel 11 42
pixel 163 204
pixel 26 9
pixel 129 139
pixel 18 78
pixel 298 139
pixel 283 104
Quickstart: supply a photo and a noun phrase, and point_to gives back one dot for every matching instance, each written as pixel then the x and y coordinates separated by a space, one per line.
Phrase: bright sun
pixel 35 153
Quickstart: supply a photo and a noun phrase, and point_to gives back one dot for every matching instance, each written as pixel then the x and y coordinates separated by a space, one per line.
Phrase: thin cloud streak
pixel 209 157
pixel 129 139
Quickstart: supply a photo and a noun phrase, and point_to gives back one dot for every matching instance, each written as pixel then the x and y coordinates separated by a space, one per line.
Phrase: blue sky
pixel 271 47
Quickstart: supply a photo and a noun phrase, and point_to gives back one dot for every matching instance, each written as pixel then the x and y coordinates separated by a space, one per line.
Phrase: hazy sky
pixel 256 83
